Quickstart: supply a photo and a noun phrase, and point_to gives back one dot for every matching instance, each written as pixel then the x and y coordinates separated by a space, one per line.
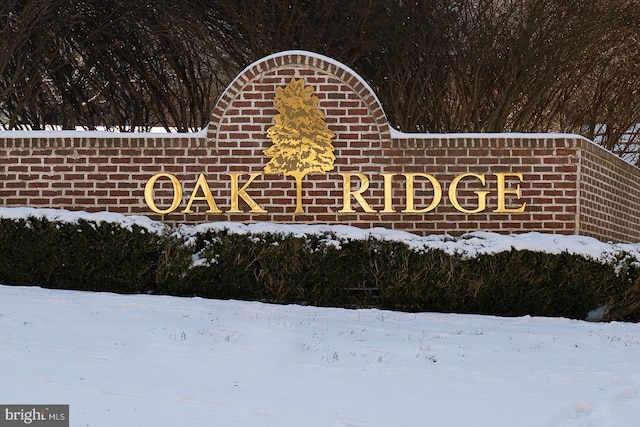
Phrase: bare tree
pixel 126 65
pixel 485 65
pixel 436 65
pixel 606 105
pixel 25 60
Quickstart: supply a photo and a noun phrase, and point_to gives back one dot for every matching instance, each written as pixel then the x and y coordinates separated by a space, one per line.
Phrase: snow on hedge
pixel 467 245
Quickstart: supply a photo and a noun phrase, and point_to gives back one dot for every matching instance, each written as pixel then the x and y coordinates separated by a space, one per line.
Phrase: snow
pixel 81 133
pixel 467 245
pixel 165 361
pixel 398 134
pixel 143 360
pixel 66 216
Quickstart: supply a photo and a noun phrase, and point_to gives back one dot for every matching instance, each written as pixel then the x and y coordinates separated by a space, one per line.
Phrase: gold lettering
pixel 388 193
pixel 357 194
pixel 502 192
pixel 437 192
pixel 177 193
pixel 207 196
pixel 482 195
pixel 298 176
pixel 242 193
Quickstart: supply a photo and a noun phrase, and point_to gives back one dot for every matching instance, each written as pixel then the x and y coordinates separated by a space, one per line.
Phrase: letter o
pixel 177 193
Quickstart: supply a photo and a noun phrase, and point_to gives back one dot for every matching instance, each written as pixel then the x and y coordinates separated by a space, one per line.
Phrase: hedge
pixel 314 270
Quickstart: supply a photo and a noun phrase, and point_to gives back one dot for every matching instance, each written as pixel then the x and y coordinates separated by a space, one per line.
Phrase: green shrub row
pixel 313 270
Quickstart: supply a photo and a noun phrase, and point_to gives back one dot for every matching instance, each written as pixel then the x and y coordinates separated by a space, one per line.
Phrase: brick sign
pixel 301 145
pixel 300 138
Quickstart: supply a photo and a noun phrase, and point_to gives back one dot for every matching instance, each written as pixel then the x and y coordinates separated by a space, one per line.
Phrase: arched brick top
pixel 246 106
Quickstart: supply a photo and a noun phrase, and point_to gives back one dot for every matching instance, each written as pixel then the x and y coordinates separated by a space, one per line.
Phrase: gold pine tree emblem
pixel 300 136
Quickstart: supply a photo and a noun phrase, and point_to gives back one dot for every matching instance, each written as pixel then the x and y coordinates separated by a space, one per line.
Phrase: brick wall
pixel 568 184
pixel 97 172
pixel 609 191
pixel 548 165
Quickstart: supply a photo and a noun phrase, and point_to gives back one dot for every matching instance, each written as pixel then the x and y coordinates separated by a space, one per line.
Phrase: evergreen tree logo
pixel 300 136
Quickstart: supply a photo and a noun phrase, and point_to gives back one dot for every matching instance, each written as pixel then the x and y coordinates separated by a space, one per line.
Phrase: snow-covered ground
pixel 142 360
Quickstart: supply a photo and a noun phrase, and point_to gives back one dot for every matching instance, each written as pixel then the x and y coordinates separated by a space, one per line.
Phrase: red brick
pixel 609 188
